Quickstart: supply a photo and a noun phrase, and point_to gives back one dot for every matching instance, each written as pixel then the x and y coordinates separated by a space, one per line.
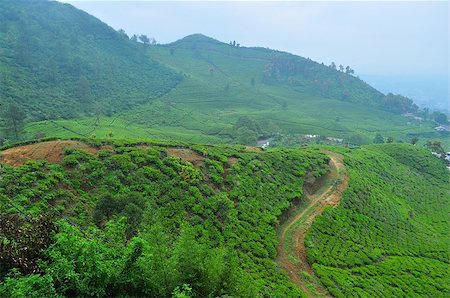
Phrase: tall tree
pixel 378 139
pixel 14 120
pixel 349 71
pixel 144 39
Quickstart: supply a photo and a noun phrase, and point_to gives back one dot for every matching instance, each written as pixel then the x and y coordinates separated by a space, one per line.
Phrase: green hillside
pixel 390 235
pixel 223 83
pixel 59 62
pixel 133 219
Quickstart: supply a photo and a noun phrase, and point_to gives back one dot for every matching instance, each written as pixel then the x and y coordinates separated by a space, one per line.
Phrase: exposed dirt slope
pixel 51 151
pixel 291 253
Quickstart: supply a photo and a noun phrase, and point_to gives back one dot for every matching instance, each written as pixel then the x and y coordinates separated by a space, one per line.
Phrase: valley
pixel 203 168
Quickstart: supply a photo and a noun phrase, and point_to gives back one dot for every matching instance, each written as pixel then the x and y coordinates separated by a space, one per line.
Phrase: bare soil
pixel 51 151
pixel 328 193
pixel 253 148
pixel 187 155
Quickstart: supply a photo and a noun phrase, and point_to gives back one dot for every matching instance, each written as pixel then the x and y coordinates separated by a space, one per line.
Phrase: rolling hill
pixel 75 76
pixel 97 218
pixel 140 190
pixel 222 84
pixel 59 62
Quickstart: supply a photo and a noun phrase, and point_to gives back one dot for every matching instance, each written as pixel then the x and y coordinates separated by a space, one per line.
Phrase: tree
pixel 144 39
pixel 341 68
pixel 122 33
pixel 333 65
pixel 14 120
pixel 134 38
pixel 436 147
pixel 414 140
pixel 440 118
pixel 390 140
pixel 349 71
pixel 378 139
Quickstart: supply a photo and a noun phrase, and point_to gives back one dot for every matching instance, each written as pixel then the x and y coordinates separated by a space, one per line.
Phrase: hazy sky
pixel 373 37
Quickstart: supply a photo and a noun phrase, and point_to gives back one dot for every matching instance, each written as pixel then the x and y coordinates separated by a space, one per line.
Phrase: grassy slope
pixel 59 62
pixel 390 235
pixel 205 106
pixel 211 226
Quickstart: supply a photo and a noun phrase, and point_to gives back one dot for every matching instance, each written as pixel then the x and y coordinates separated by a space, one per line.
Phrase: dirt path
pixel 291 252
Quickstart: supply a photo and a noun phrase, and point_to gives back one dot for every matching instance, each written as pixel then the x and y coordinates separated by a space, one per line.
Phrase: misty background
pixel 399 47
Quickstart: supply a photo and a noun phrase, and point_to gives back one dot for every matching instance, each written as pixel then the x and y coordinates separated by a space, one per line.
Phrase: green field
pixel 390 235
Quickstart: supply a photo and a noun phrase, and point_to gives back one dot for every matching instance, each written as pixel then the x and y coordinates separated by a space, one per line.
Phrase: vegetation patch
pixel 389 236
pixel 142 222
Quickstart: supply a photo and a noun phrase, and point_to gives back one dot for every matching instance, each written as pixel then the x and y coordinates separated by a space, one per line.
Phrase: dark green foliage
pixel 440 118
pixel 147 224
pixel 436 147
pixel 306 75
pixel 58 61
pixel 14 121
pixel 22 242
pixel 378 139
pixel 399 104
pixel 390 235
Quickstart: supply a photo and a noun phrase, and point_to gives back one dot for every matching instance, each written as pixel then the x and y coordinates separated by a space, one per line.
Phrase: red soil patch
pixel 187 155
pixel 51 151
pixel 232 161
pixel 253 148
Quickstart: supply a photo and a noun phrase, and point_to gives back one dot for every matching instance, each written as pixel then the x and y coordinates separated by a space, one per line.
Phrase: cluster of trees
pixel 247 130
pixel 389 235
pixel 379 139
pixel 234 44
pixel 313 78
pixel 137 222
pixel 347 69
pixel 399 104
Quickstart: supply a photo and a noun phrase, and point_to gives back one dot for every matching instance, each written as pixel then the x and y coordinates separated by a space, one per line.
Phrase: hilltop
pixel 82 78
pixel 57 61
pixel 232 94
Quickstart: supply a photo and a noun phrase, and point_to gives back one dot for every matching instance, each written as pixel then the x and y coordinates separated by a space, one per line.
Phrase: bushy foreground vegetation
pixel 137 221
pixel 390 235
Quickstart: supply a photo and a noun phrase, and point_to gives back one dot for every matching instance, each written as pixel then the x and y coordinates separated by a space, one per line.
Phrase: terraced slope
pixel 146 218
pixel 389 237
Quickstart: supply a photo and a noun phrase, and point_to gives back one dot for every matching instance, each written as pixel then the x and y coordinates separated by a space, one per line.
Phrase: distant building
pixel 264 143
pixel 335 140
pixel 411 115
pixel 442 128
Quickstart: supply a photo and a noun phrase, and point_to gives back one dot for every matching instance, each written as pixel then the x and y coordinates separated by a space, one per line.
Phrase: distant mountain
pixel 58 61
pixel 430 91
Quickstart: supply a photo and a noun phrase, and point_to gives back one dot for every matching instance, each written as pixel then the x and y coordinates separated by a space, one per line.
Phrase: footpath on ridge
pixel 291 252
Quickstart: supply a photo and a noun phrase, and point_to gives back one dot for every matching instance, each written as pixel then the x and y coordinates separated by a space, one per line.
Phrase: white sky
pixel 373 37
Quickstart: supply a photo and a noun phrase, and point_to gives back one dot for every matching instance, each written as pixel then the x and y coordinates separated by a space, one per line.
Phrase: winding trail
pixel 291 252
